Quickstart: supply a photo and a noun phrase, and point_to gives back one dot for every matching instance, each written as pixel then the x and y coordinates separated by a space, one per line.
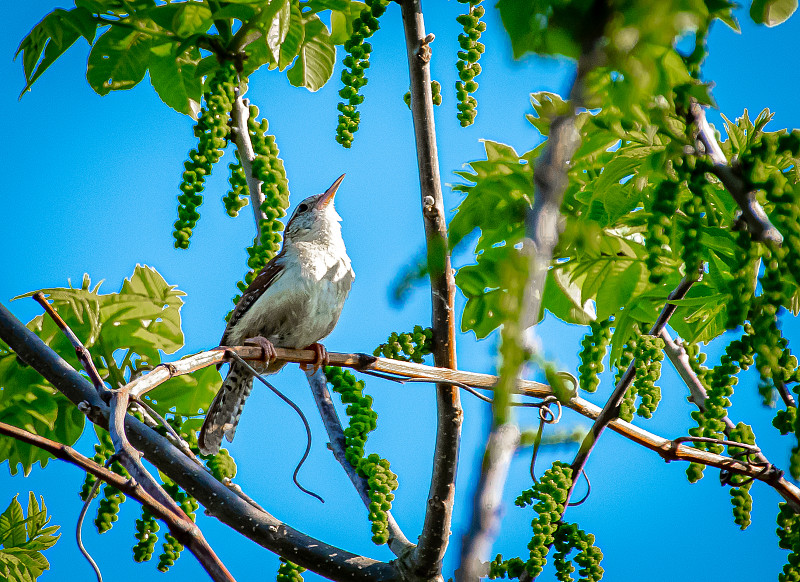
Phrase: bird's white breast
pixel 302 305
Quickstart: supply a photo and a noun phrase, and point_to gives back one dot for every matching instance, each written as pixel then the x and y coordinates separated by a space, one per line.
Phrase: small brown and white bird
pixel 294 302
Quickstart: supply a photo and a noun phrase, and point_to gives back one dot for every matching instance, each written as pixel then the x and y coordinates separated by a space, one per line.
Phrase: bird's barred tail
pixel 224 412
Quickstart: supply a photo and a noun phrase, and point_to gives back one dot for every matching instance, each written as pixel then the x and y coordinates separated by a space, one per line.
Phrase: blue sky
pixel 90 186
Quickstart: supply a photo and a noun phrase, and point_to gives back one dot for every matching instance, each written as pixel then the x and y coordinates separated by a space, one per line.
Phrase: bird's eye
pixel 302 208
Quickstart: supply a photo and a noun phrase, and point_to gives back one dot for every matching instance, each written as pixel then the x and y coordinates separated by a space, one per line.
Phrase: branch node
pixel 424 51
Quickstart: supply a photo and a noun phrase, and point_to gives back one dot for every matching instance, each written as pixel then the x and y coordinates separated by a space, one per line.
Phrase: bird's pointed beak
pixel 327 198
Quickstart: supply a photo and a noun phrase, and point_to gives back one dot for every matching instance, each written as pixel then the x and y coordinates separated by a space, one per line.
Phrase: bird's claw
pixel 320 357
pixel 268 353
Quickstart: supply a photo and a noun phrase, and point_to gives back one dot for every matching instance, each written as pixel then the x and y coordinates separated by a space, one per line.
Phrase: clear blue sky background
pixel 89 185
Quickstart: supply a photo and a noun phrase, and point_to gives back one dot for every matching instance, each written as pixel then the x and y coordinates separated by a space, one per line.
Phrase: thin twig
pixel 757 220
pixel 81 352
pixel 428 555
pixel 79 527
pixel 612 407
pixel 398 542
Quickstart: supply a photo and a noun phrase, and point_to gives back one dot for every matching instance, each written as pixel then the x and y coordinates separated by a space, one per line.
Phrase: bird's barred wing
pixel 268 275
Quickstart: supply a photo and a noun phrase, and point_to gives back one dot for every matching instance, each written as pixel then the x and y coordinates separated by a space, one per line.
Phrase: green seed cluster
pixel 694 208
pixel 436 93
pixel 743 284
pixel 789 539
pixel 171 551
pixel 102 452
pixel 659 230
pixel 468 57
pixel 237 196
pixel 548 497
pixel 740 492
pixel 500 568
pixel 222 465
pixel 108 509
pixel 381 480
pixel 146 528
pixel 785 420
pixel 212 131
pixel 171 548
pixel 289 572
pixel 595 345
pixel 568 537
pixel 356 63
pixel 786 216
pixel 649 352
pixel 719 383
pixel 407 347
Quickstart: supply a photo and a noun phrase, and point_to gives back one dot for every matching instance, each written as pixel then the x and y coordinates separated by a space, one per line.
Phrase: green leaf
pixel 118 60
pixel 191 18
pixel 772 12
pixel 53 36
pixel 315 61
pixel 22 539
pixel 187 395
pixel 278 31
pixel 174 78
pixel 12 525
pixel 293 40
pixel 342 20
pixel 562 298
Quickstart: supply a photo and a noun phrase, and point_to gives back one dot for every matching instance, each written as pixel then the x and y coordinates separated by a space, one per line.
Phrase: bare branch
pixel 398 542
pixel 241 136
pixel 614 402
pixel 527 388
pixel 433 540
pixel 757 221
pixel 226 505
pixel 182 528
pixel 80 350
pixel 477 544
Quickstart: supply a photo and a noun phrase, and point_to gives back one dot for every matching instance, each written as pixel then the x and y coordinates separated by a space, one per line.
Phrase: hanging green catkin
pixel 356 63
pixel 289 572
pixel 212 131
pixel 660 225
pixel 468 57
pixel 595 344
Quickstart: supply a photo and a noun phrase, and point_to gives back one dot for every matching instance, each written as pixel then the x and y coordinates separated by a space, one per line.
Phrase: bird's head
pixel 315 217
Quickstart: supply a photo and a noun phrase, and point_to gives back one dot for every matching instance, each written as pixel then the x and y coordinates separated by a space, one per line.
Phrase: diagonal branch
pixel 757 220
pixel 189 534
pixel 427 559
pixel 226 505
pixel 182 529
pixel 611 409
pixel 398 542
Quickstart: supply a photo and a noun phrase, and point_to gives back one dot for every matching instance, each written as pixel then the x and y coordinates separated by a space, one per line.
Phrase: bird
pixel 294 302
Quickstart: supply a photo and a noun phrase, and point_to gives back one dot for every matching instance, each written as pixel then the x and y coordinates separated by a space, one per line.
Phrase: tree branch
pixel 240 113
pixel 486 506
pixel 527 388
pixel 612 407
pixel 757 221
pixel 182 528
pixel 226 505
pixel 427 559
pixel 680 360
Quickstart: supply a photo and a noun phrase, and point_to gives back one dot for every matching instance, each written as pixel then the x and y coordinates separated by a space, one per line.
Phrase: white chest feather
pixel 302 305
